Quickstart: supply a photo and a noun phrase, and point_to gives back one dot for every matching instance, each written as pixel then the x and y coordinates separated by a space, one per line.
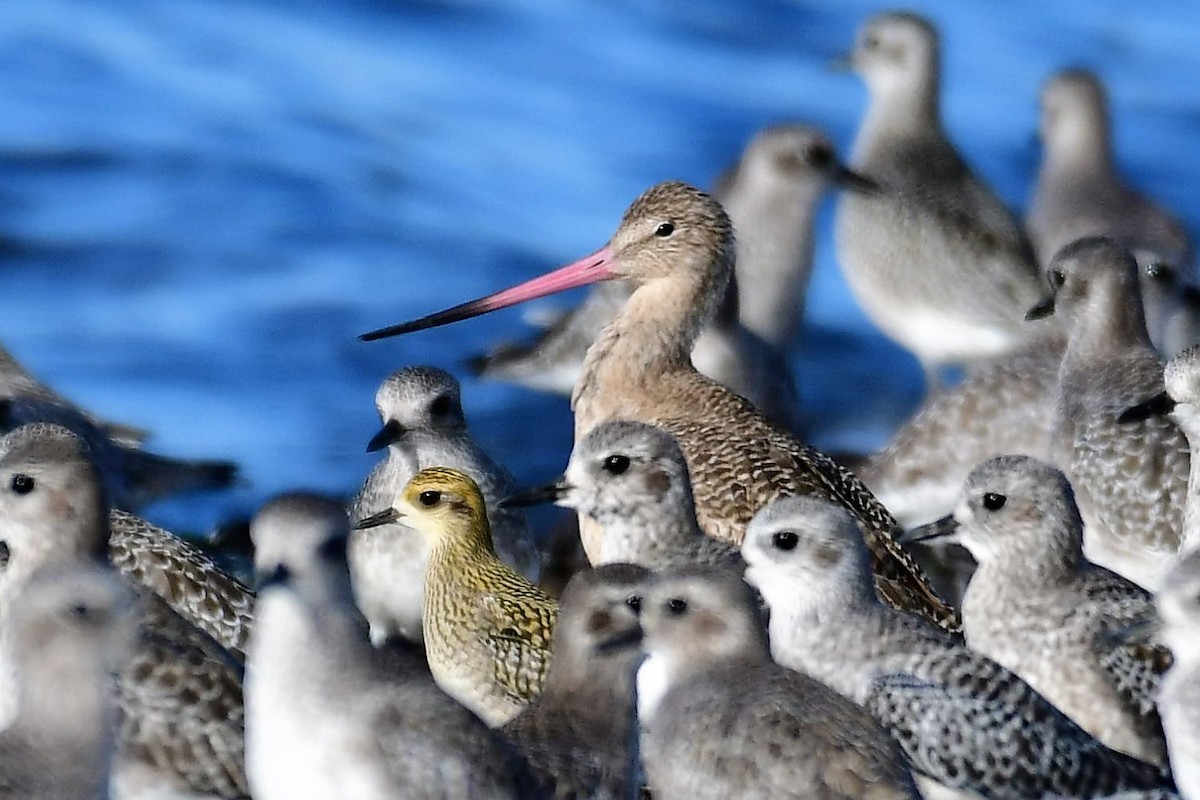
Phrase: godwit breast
pixel 675 246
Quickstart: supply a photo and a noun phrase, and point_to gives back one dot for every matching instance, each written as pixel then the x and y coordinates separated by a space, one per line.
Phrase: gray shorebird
pixel 1181 401
pixel 720 719
pixel 1130 478
pixel 423 426
pixel 133 477
pixel 631 479
pixel 1178 603
pixel 579 734
pixel 1079 193
pixel 1038 607
pixel 71 629
pixel 179 692
pixel 932 255
pixel 771 196
pixel 329 716
pixel 487 629
pixel 18 382
pixel 995 736
pixel 675 245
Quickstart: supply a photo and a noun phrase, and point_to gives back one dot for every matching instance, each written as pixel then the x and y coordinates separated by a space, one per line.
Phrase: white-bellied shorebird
pixel 720 719
pixel 1178 604
pixel 1038 607
pixel 1130 477
pixel 675 245
pixel 932 255
pixel 327 714
pixel 423 426
pixel 579 734
pixel 994 737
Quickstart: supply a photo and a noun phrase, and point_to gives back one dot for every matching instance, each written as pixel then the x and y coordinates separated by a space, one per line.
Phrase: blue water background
pixel 202 202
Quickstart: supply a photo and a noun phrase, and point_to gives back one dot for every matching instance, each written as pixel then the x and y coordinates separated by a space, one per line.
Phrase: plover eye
pixel 616 464
pixel 1056 277
pixel 993 501
pixel 677 606
pixel 785 540
pixel 635 602
pixel 870 42
pixel 429 497
pixel 440 406
pixel 1160 271
pixel 819 155
pixel 5 554
pixel 664 230
pixel 22 484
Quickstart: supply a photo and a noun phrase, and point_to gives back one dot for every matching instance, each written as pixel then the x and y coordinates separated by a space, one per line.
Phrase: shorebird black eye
pixel 22 484
pixel 4 555
pixel 1056 278
pixel 616 464
pixel 665 230
pixel 80 611
pixel 819 155
pixel 440 406
pixel 332 548
pixel 785 540
pixel 870 42
pixel 429 498
pixel 635 602
pixel 993 501
pixel 677 606
pixel 1160 271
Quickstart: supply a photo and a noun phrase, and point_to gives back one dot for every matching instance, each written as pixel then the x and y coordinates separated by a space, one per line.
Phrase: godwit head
pixel 672 230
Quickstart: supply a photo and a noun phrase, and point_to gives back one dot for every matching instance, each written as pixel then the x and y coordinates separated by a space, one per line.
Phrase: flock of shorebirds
pixel 1004 602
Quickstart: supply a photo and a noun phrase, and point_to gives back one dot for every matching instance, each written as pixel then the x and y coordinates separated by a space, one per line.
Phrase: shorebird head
pixel 444 505
pixel 1182 378
pixel 672 228
pixel 1074 115
pixel 1178 603
pixel 897 53
pixel 1094 289
pixel 72 624
pixel 1019 509
pixel 598 620
pixel 620 469
pixel 787 157
pixel 417 399
pixel 52 504
pixel 806 553
pixel 694 619
pixel 300 542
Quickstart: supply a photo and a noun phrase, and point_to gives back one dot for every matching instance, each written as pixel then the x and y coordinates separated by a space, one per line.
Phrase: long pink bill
pixel 590 269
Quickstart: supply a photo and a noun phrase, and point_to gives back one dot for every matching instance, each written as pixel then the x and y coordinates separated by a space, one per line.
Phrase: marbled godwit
pixel 578 734
pixel 423 426
pixel 932 255
pixel 994 737
pixel 771 196
pixel 1037 606
pixel 325 711
pixel 487 629
pixel 720 719
pixel 675 245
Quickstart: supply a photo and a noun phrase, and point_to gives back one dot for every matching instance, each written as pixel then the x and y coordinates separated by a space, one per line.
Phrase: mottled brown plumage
pixel 184 577
pixel 487 629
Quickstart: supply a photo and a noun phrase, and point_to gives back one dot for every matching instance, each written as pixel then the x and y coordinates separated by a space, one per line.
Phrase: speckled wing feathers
pixel 518 637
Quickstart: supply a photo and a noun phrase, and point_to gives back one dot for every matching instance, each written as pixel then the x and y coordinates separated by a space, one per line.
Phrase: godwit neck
pixel 675 246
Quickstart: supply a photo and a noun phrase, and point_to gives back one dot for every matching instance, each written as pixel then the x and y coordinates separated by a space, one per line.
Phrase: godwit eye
pixel 785 540
pixel 665 230
pixel 616 464
pixel 22 484
pixel 429 498
pixel 993 501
